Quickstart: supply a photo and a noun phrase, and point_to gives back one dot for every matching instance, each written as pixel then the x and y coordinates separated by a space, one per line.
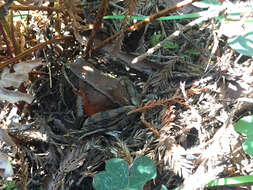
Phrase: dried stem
pixel 148 125
pixel 14 42
pixel 32 8
pixel 5 38
pixel 156 103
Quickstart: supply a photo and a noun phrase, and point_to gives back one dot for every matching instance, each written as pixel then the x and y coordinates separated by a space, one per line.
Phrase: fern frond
pixel 175 157
pixel 167 116
pixel 120 150
pixel 70 6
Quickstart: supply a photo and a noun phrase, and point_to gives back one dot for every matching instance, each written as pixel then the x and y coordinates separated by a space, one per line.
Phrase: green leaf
pixel 164 187
pixel 242 44
pixel 10 185
pixel 117 176
pixel 114 177
pixel 171 45
pixel 235 181
pixel 142 171
pixel 248 145
pixel 192 52
pixel 245 125
pixel 155 39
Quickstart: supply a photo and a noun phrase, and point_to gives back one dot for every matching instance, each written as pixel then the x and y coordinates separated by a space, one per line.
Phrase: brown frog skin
pixel 107 121
pixel 100 92
pixel 109 86
pixel 120 92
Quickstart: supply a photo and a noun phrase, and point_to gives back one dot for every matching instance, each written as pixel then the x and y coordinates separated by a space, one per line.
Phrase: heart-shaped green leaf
pixel 142 171
pixel 164 187
pixel 117 176
pixel 248 145
pixel 114 177
pixel 245 126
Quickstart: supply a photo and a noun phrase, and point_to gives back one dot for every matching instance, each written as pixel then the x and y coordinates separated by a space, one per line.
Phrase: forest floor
pixel 178 105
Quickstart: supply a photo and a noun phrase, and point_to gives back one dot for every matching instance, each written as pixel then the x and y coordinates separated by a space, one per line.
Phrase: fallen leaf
pixel 20 75
pixel 5 137
pixel 14 96
pixel 14 79
pixel 5 166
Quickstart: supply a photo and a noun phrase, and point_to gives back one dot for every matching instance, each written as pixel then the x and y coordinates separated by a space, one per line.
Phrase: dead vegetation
pixel 178 109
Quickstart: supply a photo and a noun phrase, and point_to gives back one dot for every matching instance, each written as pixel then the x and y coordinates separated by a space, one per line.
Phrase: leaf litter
pixel 185 122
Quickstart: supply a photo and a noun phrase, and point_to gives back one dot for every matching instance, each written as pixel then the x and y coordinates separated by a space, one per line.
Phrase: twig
pixel 5 38
pixel 156 103
pixel 13 39
pixel 32 8
pixel 97 25
pixel 148 125
pixel 49 69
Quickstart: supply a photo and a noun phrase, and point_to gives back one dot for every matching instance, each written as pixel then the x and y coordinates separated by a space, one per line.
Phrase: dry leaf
pixel 14 79
pixel 4 136
pixel 20 75
pixel 14 96
pixel 5 166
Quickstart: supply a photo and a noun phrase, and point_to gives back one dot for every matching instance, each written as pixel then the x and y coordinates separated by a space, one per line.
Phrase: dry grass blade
pixel 5 37
pixel 176 158
pixel 70 7
pixel 131 7
pixel 167 116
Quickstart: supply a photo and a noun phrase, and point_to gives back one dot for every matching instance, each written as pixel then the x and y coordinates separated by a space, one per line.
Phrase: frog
pixel 119 96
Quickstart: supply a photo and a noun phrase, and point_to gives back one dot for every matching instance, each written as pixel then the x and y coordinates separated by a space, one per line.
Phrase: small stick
pixel 5 38
pixel 15 7
pixel 148 125
pixel 102 11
